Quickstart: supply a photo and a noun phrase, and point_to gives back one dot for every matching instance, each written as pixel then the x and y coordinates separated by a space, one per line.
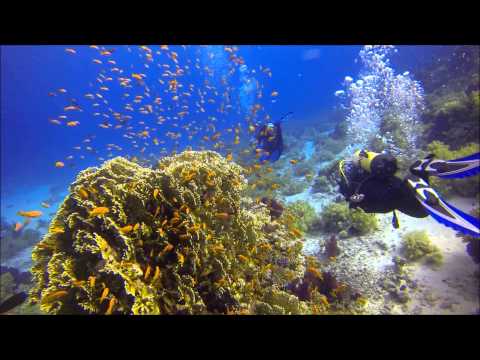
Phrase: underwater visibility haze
pixel 243 180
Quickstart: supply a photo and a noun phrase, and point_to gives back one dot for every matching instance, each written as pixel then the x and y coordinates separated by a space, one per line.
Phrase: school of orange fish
pixel 140 103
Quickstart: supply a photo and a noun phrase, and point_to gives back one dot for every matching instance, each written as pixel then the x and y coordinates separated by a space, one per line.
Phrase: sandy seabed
pixel 452 289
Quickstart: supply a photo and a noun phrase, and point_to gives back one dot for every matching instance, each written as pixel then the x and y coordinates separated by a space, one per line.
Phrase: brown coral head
pixel 275 207
pixel 331 247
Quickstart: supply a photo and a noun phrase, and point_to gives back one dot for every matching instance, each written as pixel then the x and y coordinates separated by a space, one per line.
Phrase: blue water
pixel 306 78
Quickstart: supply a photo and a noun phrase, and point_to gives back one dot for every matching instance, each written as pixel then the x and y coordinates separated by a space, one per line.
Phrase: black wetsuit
pixel 381 194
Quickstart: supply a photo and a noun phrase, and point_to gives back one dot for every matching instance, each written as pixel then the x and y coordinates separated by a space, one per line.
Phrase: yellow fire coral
pixel 162 247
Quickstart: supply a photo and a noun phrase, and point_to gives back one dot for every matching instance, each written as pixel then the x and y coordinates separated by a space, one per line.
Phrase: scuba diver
pixel 269 140
pixel 368 181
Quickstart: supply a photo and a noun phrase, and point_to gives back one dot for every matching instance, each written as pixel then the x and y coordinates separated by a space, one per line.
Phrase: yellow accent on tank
pixel 365 162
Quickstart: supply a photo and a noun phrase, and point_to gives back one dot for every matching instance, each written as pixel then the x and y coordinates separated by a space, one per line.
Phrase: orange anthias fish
pixel 18 226
pixel 126 229
pixel 104 294
pixel 59 164
pixel 99 211
pixel 222 216
pixel 30 214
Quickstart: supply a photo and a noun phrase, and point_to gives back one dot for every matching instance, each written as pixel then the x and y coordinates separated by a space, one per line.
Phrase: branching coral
pixel 418 246
pixel 337 217
pixel 172 240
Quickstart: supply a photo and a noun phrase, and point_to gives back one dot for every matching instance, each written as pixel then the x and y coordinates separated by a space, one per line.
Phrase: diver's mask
pixel 381 165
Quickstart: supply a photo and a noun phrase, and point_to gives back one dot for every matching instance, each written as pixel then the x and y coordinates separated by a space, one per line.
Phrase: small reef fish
pixel 59 164
pixel 73 123
pixel 57 230
pixel 71 107
pixel 70 51
pixel 45 205
pixel 83 193
pixel 104 294
pixel 18 227
pixel 167 248
pixel 157 273
pixel 222 216
pixel 147 272
pixel 101 210
pixel 293 161
pixel 126 229
pixel 30 214
pixel 181 258
pixel 242 258
pixel 54 296
pixel 111 304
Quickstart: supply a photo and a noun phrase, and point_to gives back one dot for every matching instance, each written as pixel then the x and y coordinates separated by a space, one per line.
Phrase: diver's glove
pixel 442 211
pixel 447 169
pixel 356 198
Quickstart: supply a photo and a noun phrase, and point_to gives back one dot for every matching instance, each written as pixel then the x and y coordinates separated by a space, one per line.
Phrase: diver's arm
pixel 447 169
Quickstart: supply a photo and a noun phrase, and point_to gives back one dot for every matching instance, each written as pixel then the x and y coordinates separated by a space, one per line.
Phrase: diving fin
pixel 447 169
pixel 442 211
pixel 395 222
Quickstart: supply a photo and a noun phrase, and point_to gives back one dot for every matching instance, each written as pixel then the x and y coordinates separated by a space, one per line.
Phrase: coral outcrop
pixel 178 239
pixel 417 246
pixel 339 218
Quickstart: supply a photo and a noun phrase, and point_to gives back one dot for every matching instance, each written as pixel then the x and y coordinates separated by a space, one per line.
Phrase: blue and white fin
pixel 448 169
pixel 442 211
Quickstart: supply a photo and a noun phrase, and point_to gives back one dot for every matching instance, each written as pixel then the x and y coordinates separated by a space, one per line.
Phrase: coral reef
pixel 339 218
pixel 12 242
pixel 304 168
pixel 473 244
pixel 321 184
pixel 418 246
pixel 453 102
pixel 7 285
pixel 178 239
pixel 468 187
pixel 293 187
pixel 274 207
pixel 13 282
pixel 303 213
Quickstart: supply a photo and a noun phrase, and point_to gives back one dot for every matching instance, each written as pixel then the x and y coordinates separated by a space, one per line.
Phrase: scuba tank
pixel 379 165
